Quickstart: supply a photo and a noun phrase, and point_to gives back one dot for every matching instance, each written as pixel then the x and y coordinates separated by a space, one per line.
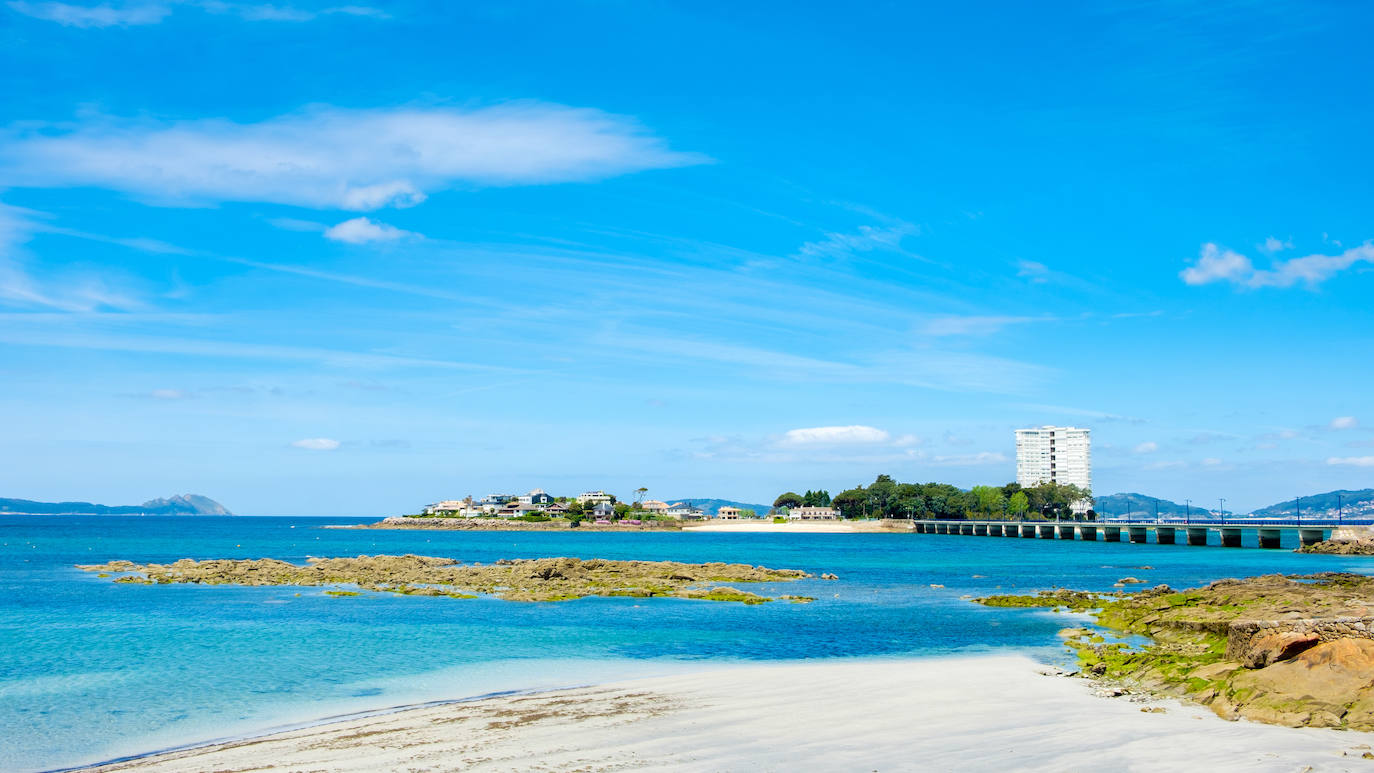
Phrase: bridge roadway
pixel 1166 532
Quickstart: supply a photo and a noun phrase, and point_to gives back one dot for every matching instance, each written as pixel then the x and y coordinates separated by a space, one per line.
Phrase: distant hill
pixel 1140 505
pixel 1358 504
pixel 184 504
pixel 710 506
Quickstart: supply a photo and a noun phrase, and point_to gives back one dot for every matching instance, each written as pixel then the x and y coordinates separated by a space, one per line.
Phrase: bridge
pixel 1167 531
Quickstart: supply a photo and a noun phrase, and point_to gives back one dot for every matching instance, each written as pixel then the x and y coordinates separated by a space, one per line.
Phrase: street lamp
pixel 1340 511
pixel 1187 511
pixel 1297 508
pixel 1223 509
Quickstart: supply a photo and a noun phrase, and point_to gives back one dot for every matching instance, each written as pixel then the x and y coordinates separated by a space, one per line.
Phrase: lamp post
pixel 1297 508
pixel 1223 509
pixel 1340 511
pixel 1187 511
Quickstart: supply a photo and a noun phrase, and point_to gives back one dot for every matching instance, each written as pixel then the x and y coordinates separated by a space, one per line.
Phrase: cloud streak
pixel 332 158
pixel 139 14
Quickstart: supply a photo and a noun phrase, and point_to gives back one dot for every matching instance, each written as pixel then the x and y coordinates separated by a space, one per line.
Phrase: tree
pixel 575 508
pixel 621 510
pixel 988 499
pixel 1019 503
pixel 789 500
pixel 850 503
pixel 639 494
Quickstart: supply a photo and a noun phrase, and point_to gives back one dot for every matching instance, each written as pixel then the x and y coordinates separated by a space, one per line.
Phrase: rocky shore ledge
pixel 1289 650
pixel 541 579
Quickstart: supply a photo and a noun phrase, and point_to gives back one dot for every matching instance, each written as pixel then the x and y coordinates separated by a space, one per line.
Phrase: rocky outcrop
pixel 1295 650
pixel 508 524
pixel 542 579
pixel 1335 547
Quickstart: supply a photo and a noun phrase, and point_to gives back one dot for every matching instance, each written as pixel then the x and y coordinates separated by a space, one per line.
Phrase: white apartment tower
pixel 1054 455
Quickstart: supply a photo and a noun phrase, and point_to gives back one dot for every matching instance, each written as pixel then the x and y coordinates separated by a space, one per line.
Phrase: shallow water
pixel 91 670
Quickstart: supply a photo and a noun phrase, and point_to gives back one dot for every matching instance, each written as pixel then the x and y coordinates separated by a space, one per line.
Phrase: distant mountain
pixel 1141 506
pixel 183 504
pixel 710 506
pixel 1357 504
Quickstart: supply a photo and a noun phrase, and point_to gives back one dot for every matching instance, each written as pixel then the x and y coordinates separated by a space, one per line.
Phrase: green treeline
pixel 886 498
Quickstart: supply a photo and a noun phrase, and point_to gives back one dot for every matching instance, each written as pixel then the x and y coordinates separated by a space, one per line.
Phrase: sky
pixel 320 259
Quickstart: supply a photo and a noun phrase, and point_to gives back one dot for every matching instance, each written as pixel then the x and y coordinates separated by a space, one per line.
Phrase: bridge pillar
pixel 1028 530
pixel 1197 535
pixel 1139 534
pixel 1311 536
pixel 1270 538
pixel 1046 530
pixel 995 529
pixel 1111 533
pixel 1065 530
pixel 966 529
pixel 1166 535
pixel 980 529
pixel 1230 538
pixel 1087 533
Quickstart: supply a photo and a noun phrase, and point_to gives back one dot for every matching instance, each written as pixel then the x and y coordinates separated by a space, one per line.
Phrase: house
pixel 685 512
pixel 595 497
pixel 603 510
pixel 536 497
pixel 654 506
pixel 556 508
pixel 813 514
pixel 729 513
pixel 446 507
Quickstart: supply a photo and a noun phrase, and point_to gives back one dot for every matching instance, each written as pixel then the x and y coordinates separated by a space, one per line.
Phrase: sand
pixel 990 712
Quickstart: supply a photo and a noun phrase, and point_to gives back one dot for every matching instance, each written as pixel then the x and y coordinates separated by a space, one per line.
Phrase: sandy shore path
pixel 968 713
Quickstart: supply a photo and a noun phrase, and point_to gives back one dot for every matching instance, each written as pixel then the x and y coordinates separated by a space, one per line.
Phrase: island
pixel 181 504
pixel 539 579
pixel 1294 650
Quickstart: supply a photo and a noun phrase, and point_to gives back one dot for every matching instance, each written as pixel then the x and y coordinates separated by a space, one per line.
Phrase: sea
pixel 91 670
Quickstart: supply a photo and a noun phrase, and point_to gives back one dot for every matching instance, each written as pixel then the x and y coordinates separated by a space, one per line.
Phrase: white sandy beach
pixel 996 712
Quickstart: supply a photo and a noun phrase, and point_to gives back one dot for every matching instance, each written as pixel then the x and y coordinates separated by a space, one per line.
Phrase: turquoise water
pixel 91 670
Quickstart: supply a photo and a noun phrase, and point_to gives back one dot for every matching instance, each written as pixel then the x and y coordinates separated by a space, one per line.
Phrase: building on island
pixel 1061 455
pixel 728 513
pixel 595 497
pixel 812 514
pixel 685 512
pixel 603 510
pixel 446 507
pixel 653 506
pixel 536 497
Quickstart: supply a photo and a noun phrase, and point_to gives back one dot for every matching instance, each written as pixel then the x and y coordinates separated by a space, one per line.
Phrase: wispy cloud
pixel 973 325
pixel 847 435
pixel 1344 422
pixel 329 157
pixel 1217 264
pixel 1272 245
pixel 317 444
pixel 144 12
pixel 1148 447
pixel 69 291
pixel 362 230
pixel 1351 461
pixel 866 239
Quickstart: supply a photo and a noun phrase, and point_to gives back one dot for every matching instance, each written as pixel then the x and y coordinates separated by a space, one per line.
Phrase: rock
pixel 1129 581
pixel 1327 685
pixel 829 576
pixel 1360 547
pixel 1153 710
pixel 1274 647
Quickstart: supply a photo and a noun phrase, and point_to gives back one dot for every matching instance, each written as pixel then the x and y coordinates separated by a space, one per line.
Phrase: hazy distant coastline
pixel 181 504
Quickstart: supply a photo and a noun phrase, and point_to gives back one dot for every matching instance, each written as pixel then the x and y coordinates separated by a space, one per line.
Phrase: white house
pixel 654 506
pixel 536 497
pixel 813 514
pixel 729 513
pixel 685 512
pixel 594 497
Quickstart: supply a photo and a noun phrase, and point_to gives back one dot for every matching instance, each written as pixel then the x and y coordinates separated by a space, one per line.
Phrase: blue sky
pixel 350 259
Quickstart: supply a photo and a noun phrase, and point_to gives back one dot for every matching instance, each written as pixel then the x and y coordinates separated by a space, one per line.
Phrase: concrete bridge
pixel 1163 532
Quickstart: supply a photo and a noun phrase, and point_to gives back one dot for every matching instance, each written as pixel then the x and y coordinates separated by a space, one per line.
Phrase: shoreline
pixel 882 713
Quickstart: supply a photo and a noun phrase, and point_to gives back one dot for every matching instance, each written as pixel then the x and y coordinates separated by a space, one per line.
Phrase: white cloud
pixel 1147 447
pixel 329 157
pixel 71 290
pixel 852 434
pixel 867 239
pixel 1272 245
pixel 144 12
pixel 1036 272
pixel 1344 422
pixel 361 230
pixel 317 444
pixel 1216 264
pixel 1211 461
pixel 1351 461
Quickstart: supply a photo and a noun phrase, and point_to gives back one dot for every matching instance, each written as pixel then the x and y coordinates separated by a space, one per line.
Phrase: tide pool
pixel 91 670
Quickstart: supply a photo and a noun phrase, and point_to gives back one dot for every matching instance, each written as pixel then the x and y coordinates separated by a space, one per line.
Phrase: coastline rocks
pixel 1130 581
pixel 541 579
pixel 1274 647
pixel 1327 685
pixel 1333 547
